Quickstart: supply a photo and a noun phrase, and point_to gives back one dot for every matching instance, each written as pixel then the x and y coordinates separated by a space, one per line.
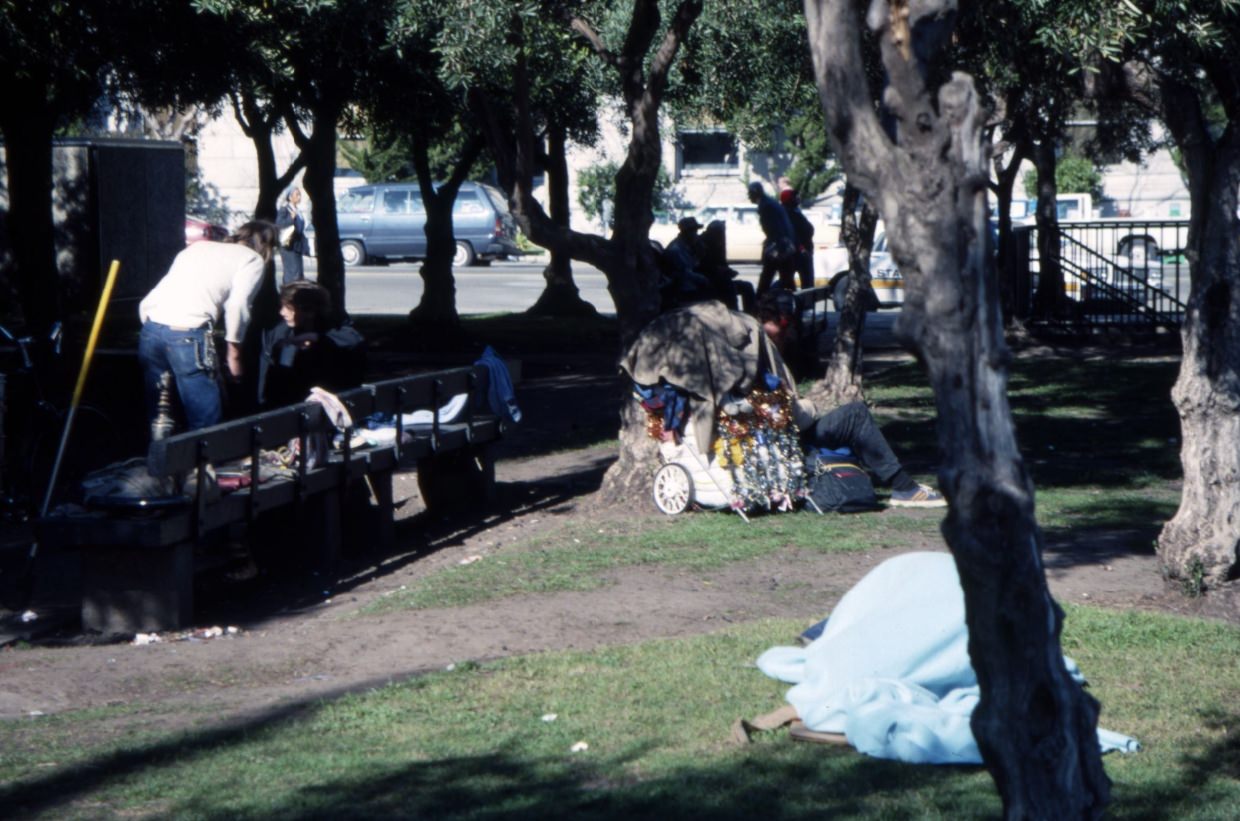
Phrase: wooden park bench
pixel 138 563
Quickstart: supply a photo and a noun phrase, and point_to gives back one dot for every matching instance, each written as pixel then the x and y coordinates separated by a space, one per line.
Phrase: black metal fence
pixel 1121 272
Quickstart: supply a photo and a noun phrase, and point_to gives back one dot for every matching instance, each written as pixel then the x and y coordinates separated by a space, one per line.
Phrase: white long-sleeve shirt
pixel 205 279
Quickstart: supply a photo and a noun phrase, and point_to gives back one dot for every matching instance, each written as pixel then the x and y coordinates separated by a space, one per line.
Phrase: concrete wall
pixel 227 160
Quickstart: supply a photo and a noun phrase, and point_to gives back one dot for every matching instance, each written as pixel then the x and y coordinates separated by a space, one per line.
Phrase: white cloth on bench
pixel 450 411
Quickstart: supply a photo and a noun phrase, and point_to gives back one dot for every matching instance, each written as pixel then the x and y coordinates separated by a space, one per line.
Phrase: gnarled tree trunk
pixel 1202 541
pixel 319 149
pixel 438 304
pixel 1005 176
pixel 842 382
pixel 259 126
pixel 1034 724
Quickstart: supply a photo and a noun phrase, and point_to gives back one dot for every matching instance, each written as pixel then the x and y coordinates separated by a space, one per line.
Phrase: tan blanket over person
pixel 710 352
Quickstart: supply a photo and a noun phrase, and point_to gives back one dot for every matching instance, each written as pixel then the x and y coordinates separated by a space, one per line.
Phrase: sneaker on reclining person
pixel 920 496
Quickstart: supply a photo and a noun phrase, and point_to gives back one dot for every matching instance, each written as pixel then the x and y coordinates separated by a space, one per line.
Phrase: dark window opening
pixel 708 149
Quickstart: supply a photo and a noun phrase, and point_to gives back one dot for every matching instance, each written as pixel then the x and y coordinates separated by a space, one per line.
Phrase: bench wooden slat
pixel 233 440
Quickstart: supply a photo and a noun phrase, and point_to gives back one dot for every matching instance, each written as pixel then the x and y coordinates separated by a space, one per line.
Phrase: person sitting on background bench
pixel 729 289
pixel 304 352
pixel 684 282
pixel 851 425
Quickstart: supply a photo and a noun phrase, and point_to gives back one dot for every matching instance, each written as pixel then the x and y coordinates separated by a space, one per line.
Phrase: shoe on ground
pixel 920 496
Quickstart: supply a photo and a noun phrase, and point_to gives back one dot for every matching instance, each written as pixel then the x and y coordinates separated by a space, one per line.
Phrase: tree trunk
pixel 437 307
pixel 842 382
pixel 1006 178
pixel 560 297
pixel 259 127
pixel 1035 726
pixel 1049 297
pixel 626 259
pixel 320 153
pixel 1202 542
pixel 28 127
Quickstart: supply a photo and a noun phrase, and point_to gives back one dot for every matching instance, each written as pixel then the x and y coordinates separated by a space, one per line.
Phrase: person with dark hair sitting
pixel 304 351
pixel 851 425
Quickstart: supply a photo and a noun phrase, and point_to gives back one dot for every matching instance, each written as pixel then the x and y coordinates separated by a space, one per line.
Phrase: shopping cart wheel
pixel 673 489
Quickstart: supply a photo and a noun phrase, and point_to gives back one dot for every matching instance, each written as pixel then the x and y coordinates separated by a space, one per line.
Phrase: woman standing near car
pixel 293 244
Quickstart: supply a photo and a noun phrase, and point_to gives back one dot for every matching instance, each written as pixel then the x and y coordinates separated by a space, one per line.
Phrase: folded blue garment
pixel 891 668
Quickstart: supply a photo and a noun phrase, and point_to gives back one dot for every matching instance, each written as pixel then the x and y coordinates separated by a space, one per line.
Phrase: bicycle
pixel 31 425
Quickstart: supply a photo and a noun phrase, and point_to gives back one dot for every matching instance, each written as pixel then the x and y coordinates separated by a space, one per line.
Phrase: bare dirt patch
pixel 301 639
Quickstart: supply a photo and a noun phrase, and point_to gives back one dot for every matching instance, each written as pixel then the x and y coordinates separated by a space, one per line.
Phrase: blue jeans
pixel 189 355
pixel 854 427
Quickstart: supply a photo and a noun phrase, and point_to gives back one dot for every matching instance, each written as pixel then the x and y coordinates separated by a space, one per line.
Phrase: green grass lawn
pixel 1097 436
pixel 1100 439
pixel 473 742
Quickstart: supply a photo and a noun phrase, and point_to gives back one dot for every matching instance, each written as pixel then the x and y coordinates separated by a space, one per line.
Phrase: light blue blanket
pixel 891 670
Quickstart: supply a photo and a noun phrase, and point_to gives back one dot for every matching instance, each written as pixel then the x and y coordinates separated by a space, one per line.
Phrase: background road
pixel 499 287
pixel 505 287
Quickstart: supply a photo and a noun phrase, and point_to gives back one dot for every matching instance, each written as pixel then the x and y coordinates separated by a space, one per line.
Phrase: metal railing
pixel 1117 273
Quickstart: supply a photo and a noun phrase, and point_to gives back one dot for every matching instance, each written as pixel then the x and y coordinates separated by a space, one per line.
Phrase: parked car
pixel 197 229
pixel 831 269
pixel 385 221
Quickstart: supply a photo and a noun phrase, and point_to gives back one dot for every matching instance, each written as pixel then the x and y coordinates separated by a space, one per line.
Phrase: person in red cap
pixel 804 230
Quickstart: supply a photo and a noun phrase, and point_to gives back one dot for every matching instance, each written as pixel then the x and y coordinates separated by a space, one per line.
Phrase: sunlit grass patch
pixel 497 739
pixel 582 556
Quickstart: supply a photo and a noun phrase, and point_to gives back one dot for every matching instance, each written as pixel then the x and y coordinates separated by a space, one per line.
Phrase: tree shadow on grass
pixel 1061 452
pixel 292 587
pixel 784 780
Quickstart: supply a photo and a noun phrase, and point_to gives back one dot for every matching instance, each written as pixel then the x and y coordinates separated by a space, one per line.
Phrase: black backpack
pixel 839 486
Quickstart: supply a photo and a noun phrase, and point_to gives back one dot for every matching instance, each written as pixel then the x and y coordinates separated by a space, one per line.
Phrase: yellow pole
pixel 81 380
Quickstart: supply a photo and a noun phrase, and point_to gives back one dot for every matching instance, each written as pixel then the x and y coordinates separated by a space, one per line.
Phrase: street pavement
pixel 514 286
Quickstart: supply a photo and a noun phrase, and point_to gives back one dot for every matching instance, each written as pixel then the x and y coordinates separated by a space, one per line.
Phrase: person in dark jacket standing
pixel 293 245
pixel 780 246
pixel 804 230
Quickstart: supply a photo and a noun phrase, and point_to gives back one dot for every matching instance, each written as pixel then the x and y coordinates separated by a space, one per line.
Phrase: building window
pixel 708 151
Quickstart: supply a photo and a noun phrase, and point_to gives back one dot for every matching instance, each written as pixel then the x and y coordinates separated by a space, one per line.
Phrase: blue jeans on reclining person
pixel 189 355
pixel 853 426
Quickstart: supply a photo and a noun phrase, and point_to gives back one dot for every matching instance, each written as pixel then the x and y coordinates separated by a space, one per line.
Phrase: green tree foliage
pixel 746 64
pixel 380 159
pixel 596 190
pixel 813 167
pixel 1073 175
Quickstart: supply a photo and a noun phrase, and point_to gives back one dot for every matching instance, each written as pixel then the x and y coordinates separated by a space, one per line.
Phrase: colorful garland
pixel 761 448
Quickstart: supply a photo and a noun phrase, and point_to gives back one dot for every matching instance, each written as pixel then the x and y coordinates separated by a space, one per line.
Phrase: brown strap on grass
pixel 742 730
